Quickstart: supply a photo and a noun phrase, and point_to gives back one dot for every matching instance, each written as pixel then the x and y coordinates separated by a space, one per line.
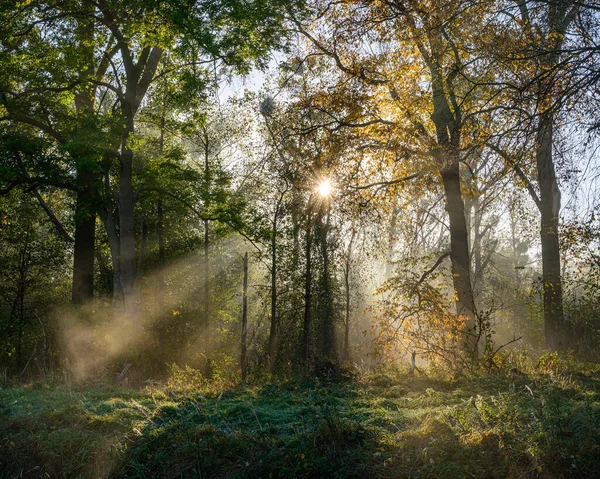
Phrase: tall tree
pixel 538 63
pixel 420 70
pixel 129 40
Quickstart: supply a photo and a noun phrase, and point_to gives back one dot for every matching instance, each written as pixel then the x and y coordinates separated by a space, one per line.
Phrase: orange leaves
pixel 413 314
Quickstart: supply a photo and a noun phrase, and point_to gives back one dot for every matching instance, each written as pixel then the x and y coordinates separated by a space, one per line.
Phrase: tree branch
pixel 55 221
pixel 520 173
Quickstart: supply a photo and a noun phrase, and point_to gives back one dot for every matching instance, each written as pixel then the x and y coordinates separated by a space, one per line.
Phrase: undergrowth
pixel 384 424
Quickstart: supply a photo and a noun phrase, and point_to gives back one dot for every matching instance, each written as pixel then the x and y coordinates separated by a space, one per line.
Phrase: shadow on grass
pixel 286 431
pixel 489 426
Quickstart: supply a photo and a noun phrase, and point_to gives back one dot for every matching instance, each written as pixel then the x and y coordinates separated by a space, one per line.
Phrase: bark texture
pixel 550 200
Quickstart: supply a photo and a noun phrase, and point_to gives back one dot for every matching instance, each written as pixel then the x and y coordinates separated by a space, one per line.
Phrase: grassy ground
pixel 381 426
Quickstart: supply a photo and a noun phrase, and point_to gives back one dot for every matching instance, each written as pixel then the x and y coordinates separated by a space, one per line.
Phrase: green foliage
pixel 486 426
pixel 185 378
pixel 30 248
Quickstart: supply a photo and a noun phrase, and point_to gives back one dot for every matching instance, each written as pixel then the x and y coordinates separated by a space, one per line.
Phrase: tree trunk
pixel 206 273
pixel 307 292
pixel 83 254
pixel 85 210
pixel 273 328
pixel 347 318
pixel 160 276
pixel 346 354
pixel 243 360
pixel 476 247
pixel 459 254
pixel 160 218
pixel 127 234
pixel 141 256
pixel 519 312
pixel 329 349
pixel 206 226
pixel 392 240
pixel 550 209
pixel 137 82
pixel 448 131
pixel 21 289
pixel 114 245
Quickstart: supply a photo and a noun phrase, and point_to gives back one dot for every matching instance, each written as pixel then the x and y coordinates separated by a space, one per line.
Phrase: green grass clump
pixel 385 425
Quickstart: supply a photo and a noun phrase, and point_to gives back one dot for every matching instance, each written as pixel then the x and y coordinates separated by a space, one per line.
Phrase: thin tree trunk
pixel 114 245
pixel 519 307
pixel 347 318
pixel 23 261
pixel 160 276
pixel 206 228
pixel 347 286
pixel 206 273
pixel 329 349
pixel 307 292
pixel 14 321
pixel 550 200
pixel 243 359
pixel 142 254
pixel 391 241
pixel 476 248
pixel 273 328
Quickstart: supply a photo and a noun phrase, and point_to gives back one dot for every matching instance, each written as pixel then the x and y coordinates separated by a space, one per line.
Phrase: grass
pixel 385 425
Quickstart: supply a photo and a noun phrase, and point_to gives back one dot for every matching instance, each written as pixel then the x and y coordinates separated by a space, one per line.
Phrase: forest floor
pixel 383 425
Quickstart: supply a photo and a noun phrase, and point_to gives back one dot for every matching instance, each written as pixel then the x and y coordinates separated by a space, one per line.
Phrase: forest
pixel 299 238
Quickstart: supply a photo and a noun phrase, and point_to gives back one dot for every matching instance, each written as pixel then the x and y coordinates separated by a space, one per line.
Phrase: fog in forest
pixel 312 190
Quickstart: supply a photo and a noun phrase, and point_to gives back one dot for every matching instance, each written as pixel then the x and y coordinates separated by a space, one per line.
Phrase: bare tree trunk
pixel 329 347
pixel 413 363
pixel 476 247
pixel 519 307
pixel 274 330
pixel 206 273
pixel 127 233
pixel 206 227
pixel 84 248
pixel 24 256
pixel 160 217
pixel 160 276
pixel 307 292
pixel 459 253
pixel 142 255
pixel 273 327
pixel 347 316
pixel 550 209
pixel 392 240
pixel 113 241
pixel 346 354
pixel 243 359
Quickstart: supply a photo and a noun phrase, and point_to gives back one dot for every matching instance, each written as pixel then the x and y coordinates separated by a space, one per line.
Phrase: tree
pixel 539 66
pixel 129 40
pixel 414 38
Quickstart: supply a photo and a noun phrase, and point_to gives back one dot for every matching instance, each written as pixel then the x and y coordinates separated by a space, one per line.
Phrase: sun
pixel 325 188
